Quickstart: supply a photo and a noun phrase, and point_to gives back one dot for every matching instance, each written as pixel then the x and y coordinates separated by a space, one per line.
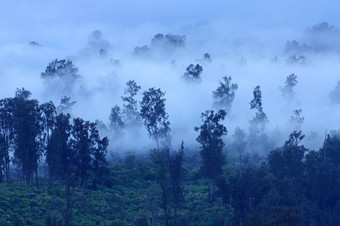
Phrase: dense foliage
pixel 55 171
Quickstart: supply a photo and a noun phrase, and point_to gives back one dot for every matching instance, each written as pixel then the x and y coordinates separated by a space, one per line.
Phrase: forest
pixel 55 169
pixel 175 113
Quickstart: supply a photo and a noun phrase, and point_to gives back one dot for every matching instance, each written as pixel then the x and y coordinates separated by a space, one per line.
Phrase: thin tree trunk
pixel 214 192
pixel 209 191
pixel 175 214
pixel 7 168
pixel 165 208
pixel 154 203
pixel 28 176
pixel 36 176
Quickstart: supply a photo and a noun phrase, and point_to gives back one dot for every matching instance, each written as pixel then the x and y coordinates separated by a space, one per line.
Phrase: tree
pixel 156 122
pixel 207 57
pixel 6 135
pixel 160 159
pixel 58 153
pixel 27 129
pixel 81 149
pixel 98 153
pixel 297 119
pixel 130 110
pixel 65 105
pixel 258 123
pixel 167 42
pixel 116 121
pixel 288 89
pixel 175 168
pixel 193 73
pixel 61 76
pixel 286 164
pixel 154 116
pixel 296 59
pixel 48 121
pixel 210 138
pixel 224 95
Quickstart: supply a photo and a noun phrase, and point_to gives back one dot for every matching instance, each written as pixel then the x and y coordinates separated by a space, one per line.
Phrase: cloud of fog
pixel 246 41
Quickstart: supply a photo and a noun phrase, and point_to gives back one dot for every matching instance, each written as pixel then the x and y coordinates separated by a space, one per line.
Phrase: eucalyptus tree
pixel 6 135
pixel 259 121
pixel 288 89
pixel 154 116
pixel 210 138
pixel 130 110
pixel 27 130
pixel 224 95
pixel 157 124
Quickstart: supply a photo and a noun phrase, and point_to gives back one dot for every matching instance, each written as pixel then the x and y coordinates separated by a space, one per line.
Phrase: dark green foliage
pixel 175 169
pixel 98 153
pixel 27 129
pixel 210 138
pixel 58 153
pixel 6 136
pixel 291 186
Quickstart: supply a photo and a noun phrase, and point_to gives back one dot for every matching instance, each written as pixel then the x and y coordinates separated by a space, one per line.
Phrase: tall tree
pixel 297 119
pixel 65 105
pixel 60 76
pixel 175 168
pixel 156 122
pixel 58 153
pixel 288 89
pixel 210 138
pixel 258 123
pixel 47 122
pixel 81 149
pixel 98 153
pixel 6 135
pixel 224 95
pixel 116 122
pixel 154 116
pixel 130 110
pixel 27 118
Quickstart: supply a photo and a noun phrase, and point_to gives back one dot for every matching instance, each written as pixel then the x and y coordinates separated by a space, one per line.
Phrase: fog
pixel 246 40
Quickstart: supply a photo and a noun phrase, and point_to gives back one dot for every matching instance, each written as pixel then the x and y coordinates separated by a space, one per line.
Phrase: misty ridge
pixel 297 83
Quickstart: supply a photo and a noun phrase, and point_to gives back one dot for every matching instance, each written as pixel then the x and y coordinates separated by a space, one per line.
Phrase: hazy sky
pixel 53 21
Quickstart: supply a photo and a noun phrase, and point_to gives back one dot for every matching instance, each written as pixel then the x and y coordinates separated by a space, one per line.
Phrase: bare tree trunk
pixel 36 176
